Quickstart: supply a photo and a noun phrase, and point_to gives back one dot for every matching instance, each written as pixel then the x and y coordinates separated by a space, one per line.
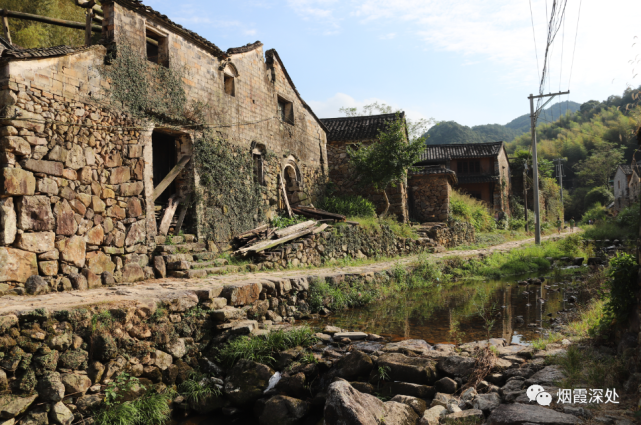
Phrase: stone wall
pixel 341 175
pixel 451 234
pixel 429 197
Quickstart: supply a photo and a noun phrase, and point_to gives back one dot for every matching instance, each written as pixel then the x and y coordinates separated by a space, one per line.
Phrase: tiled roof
pixel 139 7
pixel 472 150
pixel 244 49
pixel 270 55
pixel 483 178
pixel 4 44
pixel 433 170
pixel 626 168
pixel 41 52
pixel 357 128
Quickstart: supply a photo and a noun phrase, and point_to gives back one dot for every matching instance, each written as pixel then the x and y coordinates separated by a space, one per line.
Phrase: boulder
pixel 241 293
pixel 88 403
pixel 34 213
pixel 292 385
pixel 409 369
pixel 446 385
pixel 60 414
pixel 78 281
pixel 444 400
pixel 8 222
pixel 100 263
pixel 12 405
pixel 432 416
pixel 465 417
pixel 354 336
pixel 132 272
pixel 162 359
pixel 16 181
pixel 36 285
pixel 50 387
pixel 76 383
pixel 176 348
pixel 93 280
pixel 417 404
pixel 354 365
pixel 346 406
pixel 246 382
pixel 136 234
pixel 18 265
pixel 417 346
pixel 546 376
pixel 486 402
pixel 282 410
pixel 391 389
pixel 160 268
pixel 519 414
pixel 456 366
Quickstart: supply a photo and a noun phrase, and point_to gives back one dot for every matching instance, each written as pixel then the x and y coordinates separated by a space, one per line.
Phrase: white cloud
pixel 318 11
pixel 388 36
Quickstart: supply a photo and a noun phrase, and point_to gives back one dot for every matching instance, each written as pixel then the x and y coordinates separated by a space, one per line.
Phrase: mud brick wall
pixel 346 183
pixel 429 196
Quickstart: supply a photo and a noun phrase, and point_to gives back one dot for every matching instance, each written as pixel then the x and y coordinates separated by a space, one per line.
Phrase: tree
pixel 385 162
pixel 597 169
pixel 600 195
pixel 415 128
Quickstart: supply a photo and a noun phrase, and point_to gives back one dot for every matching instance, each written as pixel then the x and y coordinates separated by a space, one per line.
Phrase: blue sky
pixel 471 61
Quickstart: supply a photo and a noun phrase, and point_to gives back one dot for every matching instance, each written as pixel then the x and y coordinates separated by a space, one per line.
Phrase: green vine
pixel 146 90
pixel 231 201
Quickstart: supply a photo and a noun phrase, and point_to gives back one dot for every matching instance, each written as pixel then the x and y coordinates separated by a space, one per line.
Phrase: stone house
pixel 482 170
pixel 429 189
pixel 627 186
pixel 345 131
pixel 80 176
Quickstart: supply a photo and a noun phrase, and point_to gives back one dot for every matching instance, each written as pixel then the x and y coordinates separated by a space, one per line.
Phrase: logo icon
pixel 536 392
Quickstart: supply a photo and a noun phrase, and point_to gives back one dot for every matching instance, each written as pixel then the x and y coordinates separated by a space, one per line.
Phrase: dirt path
pixel 152 291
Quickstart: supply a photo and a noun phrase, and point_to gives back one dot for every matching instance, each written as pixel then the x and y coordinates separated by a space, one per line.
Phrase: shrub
pixel 599 195
pixel 595 213
pixel 465 208
pixel 351 206
pixel 629 218
pixel 622 286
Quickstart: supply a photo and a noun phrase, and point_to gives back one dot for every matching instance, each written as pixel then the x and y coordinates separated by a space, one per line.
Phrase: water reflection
pixel 451 314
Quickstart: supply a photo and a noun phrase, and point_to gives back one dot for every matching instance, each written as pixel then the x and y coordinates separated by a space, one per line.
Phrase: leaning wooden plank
pixel 293 229
pixel 169 215
pixel 47 20
pixel 320 228
pixel 276 242
pixel 164 184
pixel 282 188
pixel 318 214
pixel 181 216
pixel 321 212
pixel 253 231
pixel 353 223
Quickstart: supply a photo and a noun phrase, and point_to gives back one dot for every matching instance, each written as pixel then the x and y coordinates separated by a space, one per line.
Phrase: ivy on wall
pixel 146 90
pixel 231 201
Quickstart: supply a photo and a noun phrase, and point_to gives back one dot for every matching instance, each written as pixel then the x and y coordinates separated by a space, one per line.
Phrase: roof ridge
pixel 244 49
pixel 464 144
pixel 402 113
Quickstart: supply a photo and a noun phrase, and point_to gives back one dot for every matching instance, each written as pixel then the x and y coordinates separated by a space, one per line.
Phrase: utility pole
pixel 559 173
pixel 527 227
pixel 535 163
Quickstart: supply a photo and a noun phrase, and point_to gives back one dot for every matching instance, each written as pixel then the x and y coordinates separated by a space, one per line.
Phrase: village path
pixel 152 291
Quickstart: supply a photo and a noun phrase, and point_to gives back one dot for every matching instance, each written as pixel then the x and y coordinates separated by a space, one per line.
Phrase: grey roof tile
pixel 454 151
pixel 357 128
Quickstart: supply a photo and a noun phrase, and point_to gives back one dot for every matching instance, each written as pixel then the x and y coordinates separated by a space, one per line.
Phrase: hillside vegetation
pixel 452 132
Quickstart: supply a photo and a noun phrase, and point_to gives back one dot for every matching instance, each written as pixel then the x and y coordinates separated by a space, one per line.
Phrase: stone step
pixel 182 248
pixel 203 272
pixel 204 256
pixel 161 240
pixel 218 262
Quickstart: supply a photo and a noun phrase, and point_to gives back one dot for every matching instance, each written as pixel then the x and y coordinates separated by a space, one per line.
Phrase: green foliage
pixel 386 162
pixel 263 348
pixel 198 387
pixel 231 203
pixel 629 218
pixel 597 213
pixel 145 89
pixel 282 221
pixel 599 195
pixel 383 373
pixel 621 284
pixel 597 169
pixel 465 208
pixel 122 383
pixel 323 294
pixel 348 205
pixel 31 34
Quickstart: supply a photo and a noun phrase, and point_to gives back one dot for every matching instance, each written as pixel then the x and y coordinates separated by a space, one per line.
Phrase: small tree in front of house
pixel 385 162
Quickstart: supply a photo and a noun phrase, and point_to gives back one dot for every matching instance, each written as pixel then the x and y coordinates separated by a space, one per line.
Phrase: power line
pixel 574 49
pixel 536 53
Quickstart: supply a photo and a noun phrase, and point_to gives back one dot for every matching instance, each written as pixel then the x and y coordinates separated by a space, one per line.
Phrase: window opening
pixel 259 174
pixel 230 88
pixel 157 48
pixel 285 110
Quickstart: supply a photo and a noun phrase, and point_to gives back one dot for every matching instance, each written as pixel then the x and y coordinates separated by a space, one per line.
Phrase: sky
pixel 470 61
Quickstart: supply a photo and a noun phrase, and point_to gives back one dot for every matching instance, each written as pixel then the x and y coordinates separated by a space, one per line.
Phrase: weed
pixel 383 373
pixel 169 240
pixel 308 357
pixel 351 206
pixel 198 387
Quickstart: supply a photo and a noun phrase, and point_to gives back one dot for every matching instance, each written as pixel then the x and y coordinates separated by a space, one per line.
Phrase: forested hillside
pixel 452 132
pixel 594 140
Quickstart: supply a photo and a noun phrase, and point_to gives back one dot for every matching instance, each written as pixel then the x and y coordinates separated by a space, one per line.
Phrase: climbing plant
pixel 146 90
pixel 230 199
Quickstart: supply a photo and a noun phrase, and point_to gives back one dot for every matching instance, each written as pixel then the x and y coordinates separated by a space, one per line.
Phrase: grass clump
pixel 465 208
pixel 323 294
pixel 198 387
pixel 280 222
pixel 373 224
pixel 348 205
pixel 263 348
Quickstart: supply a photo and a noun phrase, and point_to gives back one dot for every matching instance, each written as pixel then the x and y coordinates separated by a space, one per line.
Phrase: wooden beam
pixel 5 27
pixel 164 184
pixel 165 223
pixel 270 244
pixel 294 229
pixel 183 213
pixel 253 231
pixel 88 25
pixel 282 187
pixel 47 20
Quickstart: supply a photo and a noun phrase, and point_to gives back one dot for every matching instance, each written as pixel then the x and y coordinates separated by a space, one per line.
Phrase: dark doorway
pixel 164 157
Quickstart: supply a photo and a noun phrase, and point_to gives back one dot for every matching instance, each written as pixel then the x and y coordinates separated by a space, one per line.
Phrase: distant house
pixel 345 131
pixel 429 190
pixel 482 170
pixel 627 186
